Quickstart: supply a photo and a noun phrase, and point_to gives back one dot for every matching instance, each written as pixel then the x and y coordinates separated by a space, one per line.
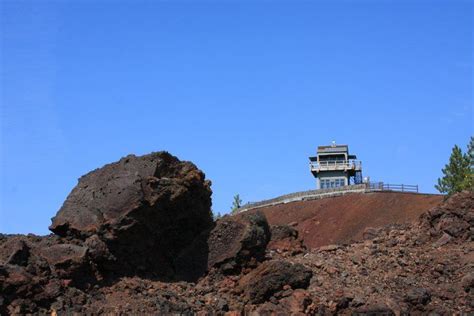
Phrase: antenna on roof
pixel 333 143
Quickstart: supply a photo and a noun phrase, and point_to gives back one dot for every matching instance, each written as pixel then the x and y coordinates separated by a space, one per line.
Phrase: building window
pixel 332 183
pixel 325 184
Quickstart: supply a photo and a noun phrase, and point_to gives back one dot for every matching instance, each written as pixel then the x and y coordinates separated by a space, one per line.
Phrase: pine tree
pixel 470 153
pixel 469 179
pixel 236 204
pixel 456 174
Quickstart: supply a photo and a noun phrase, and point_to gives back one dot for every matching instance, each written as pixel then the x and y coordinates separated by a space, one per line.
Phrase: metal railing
pixel 380 186
pixel 323 193
pixel 305 195
pixel 335 165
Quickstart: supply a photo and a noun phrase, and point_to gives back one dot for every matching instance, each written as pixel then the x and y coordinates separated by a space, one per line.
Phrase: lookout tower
pixel 335 167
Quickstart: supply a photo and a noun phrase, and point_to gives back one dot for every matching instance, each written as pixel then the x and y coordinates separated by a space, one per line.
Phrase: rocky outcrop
pixel 271 277
pixel 35 270
pixel 400 269
pixel 285 240
pixel 238 241
pixel 131 217
pixel 454 218
pixel 136 215
pixel 14 251
pixel 235 243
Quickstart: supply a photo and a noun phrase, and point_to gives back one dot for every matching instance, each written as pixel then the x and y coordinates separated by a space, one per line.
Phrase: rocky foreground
pixel 137 237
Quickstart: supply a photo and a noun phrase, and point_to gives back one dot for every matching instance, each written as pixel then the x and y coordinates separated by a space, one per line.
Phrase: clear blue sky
pixel 244 89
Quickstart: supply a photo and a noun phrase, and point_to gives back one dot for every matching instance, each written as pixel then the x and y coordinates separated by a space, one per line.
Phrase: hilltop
pixel 344 219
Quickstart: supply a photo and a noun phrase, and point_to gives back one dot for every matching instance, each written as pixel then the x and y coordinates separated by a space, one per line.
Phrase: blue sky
pixel 245 89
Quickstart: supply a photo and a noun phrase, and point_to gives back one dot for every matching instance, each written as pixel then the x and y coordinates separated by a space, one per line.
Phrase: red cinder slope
pixel 341 219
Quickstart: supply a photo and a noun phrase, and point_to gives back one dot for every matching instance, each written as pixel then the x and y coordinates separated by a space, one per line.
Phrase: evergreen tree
pixel 470 153
pixel 236 204
pixel 457 173
pixel 469 180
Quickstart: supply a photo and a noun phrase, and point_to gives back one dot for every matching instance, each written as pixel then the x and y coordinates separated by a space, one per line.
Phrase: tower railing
pixel 381 186
pixel 335 165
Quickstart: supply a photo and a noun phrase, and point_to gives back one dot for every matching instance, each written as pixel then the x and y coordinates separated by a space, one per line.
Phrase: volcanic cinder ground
pixel 343 219
pixel 137 237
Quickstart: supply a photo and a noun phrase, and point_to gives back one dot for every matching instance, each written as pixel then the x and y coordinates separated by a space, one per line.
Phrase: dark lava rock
pixel 68 261
pixel 14 251
pixel 234 243
pixel 370 233
pixel 467 281
pixel 270 277
pixel 454 217
pixel 145 210
pixel 443 240
pixel 280 232
pixel 294 304
pixel 238 241
pixel 343 303
pixel 284 238
pixel 126 297
pixel 418 296
pixel 373 311
pixel 15 284
pixel 37 277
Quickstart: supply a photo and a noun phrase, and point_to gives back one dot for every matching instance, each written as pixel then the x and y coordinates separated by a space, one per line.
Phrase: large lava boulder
pixel 235 243
pixel 452 219
pixel 285 240
pixel 137 214
pixel 238 241
pixel 272 276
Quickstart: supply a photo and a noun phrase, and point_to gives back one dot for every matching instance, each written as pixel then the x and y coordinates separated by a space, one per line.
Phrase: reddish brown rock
pixel 285 239
pixel 17 284
pixel 454 217
pixel 145 209
pixel 14 251
pixel 64 254
pixel 236 242
pixel 270 277
pixel 370 233
pixel 297 303
pixel 467 281
pixel 443 240
pixel 68 261
pixel 375 310
pixel 418 296
pixel 14 276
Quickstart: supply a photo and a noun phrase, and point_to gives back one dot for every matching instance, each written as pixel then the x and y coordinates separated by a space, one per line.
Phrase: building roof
pixel 333 149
